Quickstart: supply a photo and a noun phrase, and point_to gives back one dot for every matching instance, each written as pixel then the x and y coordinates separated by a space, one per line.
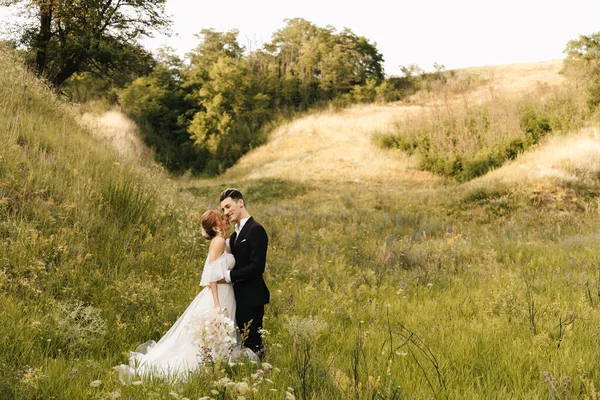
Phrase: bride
pixel 181 350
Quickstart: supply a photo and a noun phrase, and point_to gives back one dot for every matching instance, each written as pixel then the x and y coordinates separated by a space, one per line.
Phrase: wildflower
pixel 264 333
pixel 96 383
pixel 273 390
pixel 242 387
pixel 258 374
pixel 136 383
pixel 270 381
pixel 212 330
pixel 289 396
pixel 222 382
pixel 214 392
pixel 174 395
pixel 266 366
pixel 115 395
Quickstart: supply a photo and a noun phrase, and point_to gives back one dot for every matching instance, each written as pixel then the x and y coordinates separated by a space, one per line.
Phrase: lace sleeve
pixel 213 271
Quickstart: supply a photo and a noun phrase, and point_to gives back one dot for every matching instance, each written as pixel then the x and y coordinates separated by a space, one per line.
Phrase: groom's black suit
pixel 251 292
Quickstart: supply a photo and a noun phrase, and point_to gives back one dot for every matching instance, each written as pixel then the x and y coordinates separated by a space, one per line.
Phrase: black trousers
pixel 252 319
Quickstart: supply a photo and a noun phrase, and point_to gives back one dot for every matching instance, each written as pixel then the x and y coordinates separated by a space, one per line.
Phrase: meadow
pixel 388 281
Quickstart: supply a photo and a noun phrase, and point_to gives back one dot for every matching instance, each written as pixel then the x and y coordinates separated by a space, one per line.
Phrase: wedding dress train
pixel 177 353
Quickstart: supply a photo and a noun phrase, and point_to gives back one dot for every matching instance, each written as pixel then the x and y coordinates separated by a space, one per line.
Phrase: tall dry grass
pixel 464 135
pixel 333 146
pixel 386 288
pixel 115 130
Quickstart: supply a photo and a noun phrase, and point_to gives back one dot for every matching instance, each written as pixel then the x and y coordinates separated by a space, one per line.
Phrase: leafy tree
pixel 97 36
pixel 319 64
pixel 583 64
pixel 161 106
pixel 232 110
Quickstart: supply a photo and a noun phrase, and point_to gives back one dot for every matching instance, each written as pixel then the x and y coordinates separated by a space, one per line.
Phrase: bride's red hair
pixel 209 221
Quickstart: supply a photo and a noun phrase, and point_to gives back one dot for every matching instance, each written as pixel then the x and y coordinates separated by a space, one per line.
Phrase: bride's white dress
pixel 175 354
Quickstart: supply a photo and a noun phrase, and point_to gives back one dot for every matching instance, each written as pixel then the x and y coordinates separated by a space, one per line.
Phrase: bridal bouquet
pixel 211 331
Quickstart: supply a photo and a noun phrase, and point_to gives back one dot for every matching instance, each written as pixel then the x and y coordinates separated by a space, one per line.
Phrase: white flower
pixel 136 383
pixel 211 331
pixel 289 396
pixel 96 383
pixel 242 387
pixel 266 366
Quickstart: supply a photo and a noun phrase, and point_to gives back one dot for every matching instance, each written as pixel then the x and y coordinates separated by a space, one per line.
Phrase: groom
pixel 249 247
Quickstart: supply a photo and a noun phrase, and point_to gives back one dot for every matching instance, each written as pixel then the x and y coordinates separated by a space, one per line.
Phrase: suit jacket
pixel 250 252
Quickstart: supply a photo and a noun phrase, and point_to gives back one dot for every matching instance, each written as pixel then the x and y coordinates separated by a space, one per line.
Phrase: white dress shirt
pixel 238 229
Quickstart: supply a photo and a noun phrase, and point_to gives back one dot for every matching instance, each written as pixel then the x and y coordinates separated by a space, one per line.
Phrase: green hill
pixel 409 287
pixel 93 252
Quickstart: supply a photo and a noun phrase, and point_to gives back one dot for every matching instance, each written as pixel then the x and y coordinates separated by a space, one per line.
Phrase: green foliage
pixel 466 143
pixel 232 110
pixel 205 116
pixel 65 38
pixel 159 104
pixel 454 292
pixel 583 64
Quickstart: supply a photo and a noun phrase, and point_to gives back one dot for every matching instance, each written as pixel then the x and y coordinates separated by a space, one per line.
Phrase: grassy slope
pixel 386 281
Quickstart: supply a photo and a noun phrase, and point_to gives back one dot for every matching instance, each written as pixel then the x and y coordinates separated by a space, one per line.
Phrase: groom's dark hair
pixel 233 193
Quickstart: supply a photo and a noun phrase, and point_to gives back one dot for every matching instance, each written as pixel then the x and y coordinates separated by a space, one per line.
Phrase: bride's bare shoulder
pixel 216 248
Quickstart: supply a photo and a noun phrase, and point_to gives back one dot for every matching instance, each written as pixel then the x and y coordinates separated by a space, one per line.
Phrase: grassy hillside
pixel 387 281
pixel 95 254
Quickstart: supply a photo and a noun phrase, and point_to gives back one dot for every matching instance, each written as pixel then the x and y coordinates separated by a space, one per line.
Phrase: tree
pixel 317 64
pixel 232 108
pixel 62 38
pixel 583 64
pixel 161 106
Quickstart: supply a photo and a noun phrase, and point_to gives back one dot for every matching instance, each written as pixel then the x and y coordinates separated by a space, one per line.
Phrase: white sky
pixel 455 33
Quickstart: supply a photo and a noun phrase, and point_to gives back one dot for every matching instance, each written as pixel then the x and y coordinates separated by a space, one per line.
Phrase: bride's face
pixel 223 224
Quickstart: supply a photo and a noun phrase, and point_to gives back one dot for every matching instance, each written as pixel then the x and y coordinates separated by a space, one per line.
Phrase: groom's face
pixel 232 209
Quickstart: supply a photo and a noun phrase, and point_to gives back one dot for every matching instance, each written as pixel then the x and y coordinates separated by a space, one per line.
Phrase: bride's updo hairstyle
pixel 209 221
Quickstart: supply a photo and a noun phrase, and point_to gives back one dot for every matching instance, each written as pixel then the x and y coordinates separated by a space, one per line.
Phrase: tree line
pixel 205 113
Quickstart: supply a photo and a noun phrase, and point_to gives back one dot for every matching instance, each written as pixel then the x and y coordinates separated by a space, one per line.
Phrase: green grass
pixel 464 142
pixel 454 292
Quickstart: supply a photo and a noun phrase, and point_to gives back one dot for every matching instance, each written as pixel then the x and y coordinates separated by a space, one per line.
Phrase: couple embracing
pixel 234 290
